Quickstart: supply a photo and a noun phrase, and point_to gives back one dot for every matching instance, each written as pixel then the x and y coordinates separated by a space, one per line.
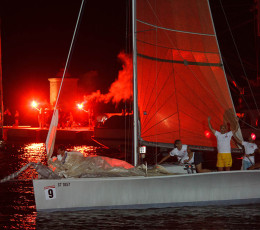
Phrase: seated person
pixel 185 155
pixel 63 154
pixel 198 163
pixel 182 152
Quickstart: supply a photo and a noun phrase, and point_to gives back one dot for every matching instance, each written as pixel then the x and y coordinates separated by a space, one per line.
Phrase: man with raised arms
pixel 224 158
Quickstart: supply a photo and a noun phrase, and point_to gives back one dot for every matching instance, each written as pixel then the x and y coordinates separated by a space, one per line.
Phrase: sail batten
pixel 179 31
pixel 181 79
pixel 180 62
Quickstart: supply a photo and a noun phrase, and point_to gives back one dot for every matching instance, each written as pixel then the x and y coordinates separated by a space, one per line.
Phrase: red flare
pixel 253 136
pixel 34 104
pixel 207 134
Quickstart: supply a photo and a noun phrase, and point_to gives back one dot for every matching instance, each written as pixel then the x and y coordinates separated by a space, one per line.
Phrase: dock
pixel 77 135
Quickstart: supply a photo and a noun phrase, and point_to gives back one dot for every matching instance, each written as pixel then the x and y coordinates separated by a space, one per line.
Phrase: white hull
pixel 217 188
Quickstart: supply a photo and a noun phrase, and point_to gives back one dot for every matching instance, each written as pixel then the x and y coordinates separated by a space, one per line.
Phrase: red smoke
pixel 121 88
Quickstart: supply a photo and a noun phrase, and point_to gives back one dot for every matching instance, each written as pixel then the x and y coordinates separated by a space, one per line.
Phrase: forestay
pixel 181 80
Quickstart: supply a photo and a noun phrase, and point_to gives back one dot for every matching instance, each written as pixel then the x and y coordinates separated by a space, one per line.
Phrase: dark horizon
pixel 35 39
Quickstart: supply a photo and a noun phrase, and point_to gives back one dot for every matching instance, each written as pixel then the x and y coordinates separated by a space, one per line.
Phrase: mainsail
pixel 180 74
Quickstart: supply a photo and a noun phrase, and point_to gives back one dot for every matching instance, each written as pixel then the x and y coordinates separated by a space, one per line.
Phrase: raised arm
pixel 237 125
pixel 164 159
pixel 210 127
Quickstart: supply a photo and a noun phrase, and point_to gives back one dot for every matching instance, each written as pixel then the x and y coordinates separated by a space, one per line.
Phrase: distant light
pixel 240 115
pixel 80 106
pixel 253 136
pixel 34 104
pixel 207 134
pixel 234 83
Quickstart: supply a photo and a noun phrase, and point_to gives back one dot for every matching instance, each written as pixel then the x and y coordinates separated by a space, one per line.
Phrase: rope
pixel 12 176
pixel 42 170
pixel 239 56
pixel 68 57
pixel 69 54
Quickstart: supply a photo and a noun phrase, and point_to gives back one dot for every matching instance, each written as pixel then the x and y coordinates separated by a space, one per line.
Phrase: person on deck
pixel 198 159
pixel 224 158
pixel 250 150
pixel 185 155
pixel 63 154
pixel 182 152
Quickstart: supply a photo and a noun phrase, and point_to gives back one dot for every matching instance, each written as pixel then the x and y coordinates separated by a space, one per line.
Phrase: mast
pixel 1 88
pixel 135 106
pixel 257 17
pixel 50 140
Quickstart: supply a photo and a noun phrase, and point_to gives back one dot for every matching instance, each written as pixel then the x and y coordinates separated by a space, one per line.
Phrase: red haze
pixel 121 88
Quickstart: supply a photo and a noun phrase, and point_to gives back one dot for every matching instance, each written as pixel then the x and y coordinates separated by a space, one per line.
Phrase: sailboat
pixel 179 81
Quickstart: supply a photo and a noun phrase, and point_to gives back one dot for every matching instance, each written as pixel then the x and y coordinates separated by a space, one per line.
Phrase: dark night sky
pixel 36 36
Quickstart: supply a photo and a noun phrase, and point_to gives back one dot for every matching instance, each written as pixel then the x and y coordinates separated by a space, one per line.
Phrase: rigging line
pixel 157 73
pixel 240 94
pixel 69 54
pixel 176 98
pixel 199 110
pixel 192 72
pixel 157 134
pixel 151 106
pixel 126 48
pixel 214 93
pixel 161 121
pixel 249 124
pixel 239 56
pixel 172 30
pixel 145 122
pixel 257 33
pixel 195 120
pixel 167 35
pixel 166 47
pixel 206 57
pixel 185 62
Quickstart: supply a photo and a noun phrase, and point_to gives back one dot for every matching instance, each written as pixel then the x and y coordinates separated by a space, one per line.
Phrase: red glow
pixel 207 134
pixel 240 115
pixel 234 83
pixel 253 136
pixel 80 106
pixel 121 88
pixel 34 104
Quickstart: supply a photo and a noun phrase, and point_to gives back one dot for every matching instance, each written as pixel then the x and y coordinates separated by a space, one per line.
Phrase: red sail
pixel 180 74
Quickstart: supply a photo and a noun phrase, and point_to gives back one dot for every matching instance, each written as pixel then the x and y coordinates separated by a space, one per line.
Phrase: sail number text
pixel 63 184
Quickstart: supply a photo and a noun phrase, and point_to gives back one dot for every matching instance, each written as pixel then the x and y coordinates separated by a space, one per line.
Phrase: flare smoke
pixel 121 88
